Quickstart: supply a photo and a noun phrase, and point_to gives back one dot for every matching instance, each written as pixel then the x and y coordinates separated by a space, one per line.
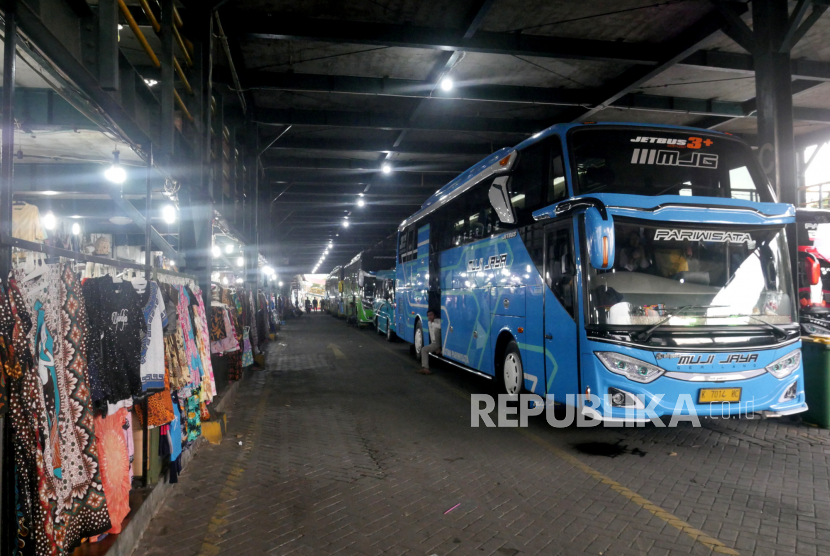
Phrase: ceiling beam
pixel 350 164
pixel 478 150
pixel 671 52
pixel 742 63
pixel 283 26
pixel 411 88
pixel 290 28
pixel 282 178
pixel 750 106
pixel 343 118
pixel 495 93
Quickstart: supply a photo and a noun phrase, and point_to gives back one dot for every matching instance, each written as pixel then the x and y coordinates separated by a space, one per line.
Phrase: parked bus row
pixel 639 263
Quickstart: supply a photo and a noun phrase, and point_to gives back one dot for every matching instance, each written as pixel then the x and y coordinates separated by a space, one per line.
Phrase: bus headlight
pixel 815 329
pixel 629 367
pixel 786 365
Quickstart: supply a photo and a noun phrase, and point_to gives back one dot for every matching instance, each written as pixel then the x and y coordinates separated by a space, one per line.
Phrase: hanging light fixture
pixel 229 248
pixel 239 280
pixel 169 213
pixel 115 173
pixel 386 168
pixel 76 229
pixel 447 84
pixel 49 220
pixel 240 261
pixel 216 251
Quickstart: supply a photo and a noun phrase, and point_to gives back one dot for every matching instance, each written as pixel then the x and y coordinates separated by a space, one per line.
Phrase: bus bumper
pixel 763 395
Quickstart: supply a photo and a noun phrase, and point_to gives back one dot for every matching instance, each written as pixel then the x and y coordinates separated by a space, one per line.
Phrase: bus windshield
pixel 644 161
pixel 718 276
pixel 368 287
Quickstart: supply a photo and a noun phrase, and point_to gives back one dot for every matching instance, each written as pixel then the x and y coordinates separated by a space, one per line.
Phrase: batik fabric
pixel 56 454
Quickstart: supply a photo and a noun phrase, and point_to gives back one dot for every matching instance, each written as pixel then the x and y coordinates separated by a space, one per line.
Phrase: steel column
pixel 167 80
pixel 773 86
pixel 148 221
pixel 8 518
pixel 108 44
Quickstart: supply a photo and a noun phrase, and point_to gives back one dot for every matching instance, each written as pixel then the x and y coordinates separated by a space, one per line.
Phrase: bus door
pixel 561 364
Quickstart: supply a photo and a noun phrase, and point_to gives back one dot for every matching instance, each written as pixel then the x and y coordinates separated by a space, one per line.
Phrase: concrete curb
pixel 125 543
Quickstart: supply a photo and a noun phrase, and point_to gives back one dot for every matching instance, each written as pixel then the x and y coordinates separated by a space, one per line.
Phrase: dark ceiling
pixel 357 81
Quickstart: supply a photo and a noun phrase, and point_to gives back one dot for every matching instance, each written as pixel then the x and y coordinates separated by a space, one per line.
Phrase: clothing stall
pixel 99 357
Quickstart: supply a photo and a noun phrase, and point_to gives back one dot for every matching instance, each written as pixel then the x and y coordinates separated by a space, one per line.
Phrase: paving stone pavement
pixel 359 455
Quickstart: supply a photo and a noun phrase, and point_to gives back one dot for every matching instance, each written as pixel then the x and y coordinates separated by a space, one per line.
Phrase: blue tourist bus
pixel 384 308
pixel 637 263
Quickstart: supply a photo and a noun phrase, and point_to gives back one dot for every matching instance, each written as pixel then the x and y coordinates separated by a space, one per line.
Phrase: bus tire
pixel 418 343
pixel 390 336
pixel 510 371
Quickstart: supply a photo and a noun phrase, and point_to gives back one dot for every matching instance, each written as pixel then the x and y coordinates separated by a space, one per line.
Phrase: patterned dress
pixel 56 455
pixel 114 458
pixel 194 359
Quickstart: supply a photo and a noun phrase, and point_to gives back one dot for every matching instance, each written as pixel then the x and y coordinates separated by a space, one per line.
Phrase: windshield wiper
pixel 778 329
pixel 669 188
pixel 646 334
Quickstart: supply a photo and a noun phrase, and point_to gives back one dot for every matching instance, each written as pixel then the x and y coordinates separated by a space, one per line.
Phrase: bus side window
pixel 527 181
pixel 560 267
pixel 534 239
pixel 402 247
pixel 557 189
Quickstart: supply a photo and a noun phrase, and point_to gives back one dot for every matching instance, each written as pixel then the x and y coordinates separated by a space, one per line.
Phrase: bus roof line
pixel 491 165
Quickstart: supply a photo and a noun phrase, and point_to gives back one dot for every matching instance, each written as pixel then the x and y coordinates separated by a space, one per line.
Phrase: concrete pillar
pixel 774 96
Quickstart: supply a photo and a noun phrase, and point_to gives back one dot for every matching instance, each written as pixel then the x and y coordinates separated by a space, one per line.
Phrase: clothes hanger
pixel 38 271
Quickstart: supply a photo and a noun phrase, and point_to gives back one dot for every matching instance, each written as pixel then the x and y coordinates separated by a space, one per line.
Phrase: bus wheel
pixel 419 340
pixel 511 376
pixel 390 336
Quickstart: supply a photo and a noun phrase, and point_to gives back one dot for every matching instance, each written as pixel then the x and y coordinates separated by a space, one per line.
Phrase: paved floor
pixel 341 448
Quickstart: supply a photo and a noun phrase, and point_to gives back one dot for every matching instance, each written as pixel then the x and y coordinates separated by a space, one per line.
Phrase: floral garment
pixel 56 456
pixel 203 345
pixel 247 353
pixel 194 359
pixel 114 459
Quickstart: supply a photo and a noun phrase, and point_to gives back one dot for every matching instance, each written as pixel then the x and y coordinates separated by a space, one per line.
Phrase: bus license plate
pixel 714 395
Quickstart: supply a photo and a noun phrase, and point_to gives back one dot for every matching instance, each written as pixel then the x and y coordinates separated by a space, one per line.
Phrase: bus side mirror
pixel 500 200
pixel 812 269
pixel 600 238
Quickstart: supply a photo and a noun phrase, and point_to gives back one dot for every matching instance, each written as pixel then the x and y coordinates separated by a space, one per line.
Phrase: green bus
pixel 334 295
pixel 359 291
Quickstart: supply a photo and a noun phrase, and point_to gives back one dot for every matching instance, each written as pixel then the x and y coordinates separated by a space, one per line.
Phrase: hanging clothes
pixel 152 342
pixel 251 321
pixel 218 332
pixel 193 359
pixel 116 321
pixel 229 343
pixel 247 353
pixel 209 392
pixel 114 461
pixel 56 455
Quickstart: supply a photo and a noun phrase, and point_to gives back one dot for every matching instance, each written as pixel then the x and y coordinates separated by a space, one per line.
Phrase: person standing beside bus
pixel 314 304
pixel 434 342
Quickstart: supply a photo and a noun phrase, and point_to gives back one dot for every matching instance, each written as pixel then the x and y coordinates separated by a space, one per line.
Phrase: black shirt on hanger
pixel 117 318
